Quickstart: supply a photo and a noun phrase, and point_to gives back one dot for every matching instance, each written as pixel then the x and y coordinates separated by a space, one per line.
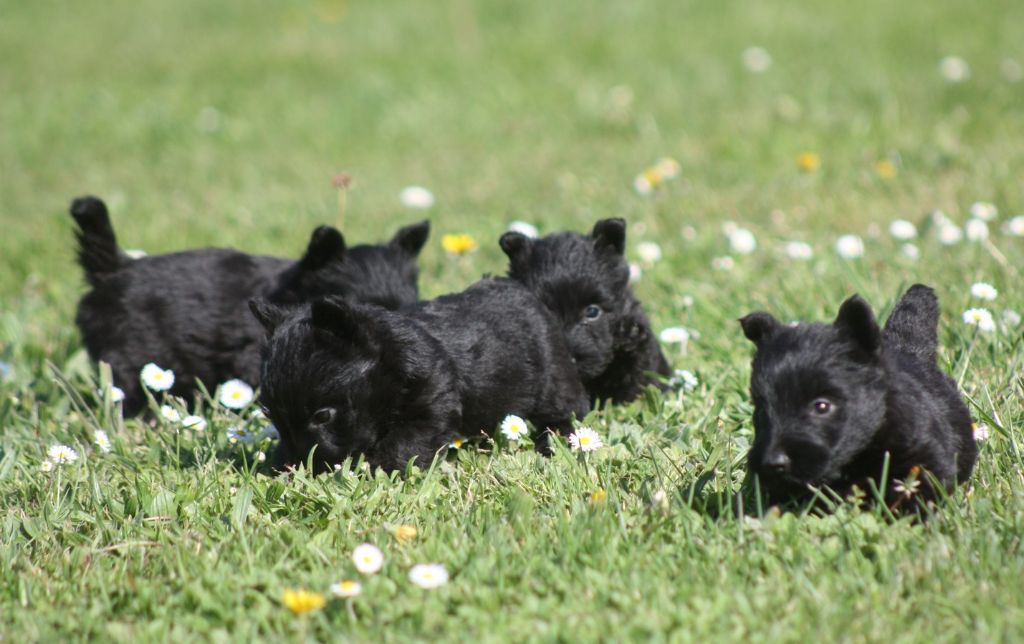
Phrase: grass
pixel 530 110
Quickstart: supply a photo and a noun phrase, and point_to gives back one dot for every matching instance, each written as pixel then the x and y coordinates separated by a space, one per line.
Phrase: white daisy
pixel 684 380
pixel 116 394
pixel 416 197
pixel 675 335
pixel 523 228
pixel 61 454
pixel 910 251
pixel 585 439
pixel 135 253
pixel 906 488
pixel 981 432
pixel 756 59
pixel 723 263
pixel 742 241
pixel 902 230
pixel 1011 317
pixel 156 378
pixel 976 229
pixel 949 233
pixel 346 589
pixel 428 575
pixel 193 422
pixel 102 441
pixel 686 301
pixel 984 210
pixel 984 291
pixel 514 427
pixel 261 456
pixel 799 250
pixel 642 184
pixel 850 247
pixel 649 252
pixel 980 318
pixel 635 272
pixel 46 466
pixel 954 69
pixel 235 394
pixel 368 558
pixel 170 414
pixel 238 434
pixel 1015 226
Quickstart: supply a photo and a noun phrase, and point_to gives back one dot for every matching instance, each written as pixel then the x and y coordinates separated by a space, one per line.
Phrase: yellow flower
pixel 458 244
pixel 404 533
pixel 301 602
pixel 598 496
pixel 808 162
pixel 885 169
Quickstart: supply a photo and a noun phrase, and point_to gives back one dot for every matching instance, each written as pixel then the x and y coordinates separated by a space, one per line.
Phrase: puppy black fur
pixel 830 401
pixel 187 311
pixel 584 281
pixel 354 379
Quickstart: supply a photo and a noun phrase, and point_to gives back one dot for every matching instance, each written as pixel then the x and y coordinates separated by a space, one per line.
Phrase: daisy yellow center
pixel 236 394
pixel 584 440
pixel 348 585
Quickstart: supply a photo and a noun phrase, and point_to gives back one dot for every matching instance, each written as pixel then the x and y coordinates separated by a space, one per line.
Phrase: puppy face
pixel 322 383
pixel 582 280
pixel 381 274
pixel 819 396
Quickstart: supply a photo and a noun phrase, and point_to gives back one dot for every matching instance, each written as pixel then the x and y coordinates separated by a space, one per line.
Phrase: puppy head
pixel 583 280
pixel 338 379
pixel 322 375
pixel 819 396
pixel 382 274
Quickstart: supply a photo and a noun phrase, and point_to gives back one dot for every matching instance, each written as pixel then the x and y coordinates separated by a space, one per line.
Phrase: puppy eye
pixel 592 312
pixel 323 416
pixel 821 407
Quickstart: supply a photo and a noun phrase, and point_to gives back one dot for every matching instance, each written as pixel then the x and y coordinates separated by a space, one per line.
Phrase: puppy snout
pixel 777 462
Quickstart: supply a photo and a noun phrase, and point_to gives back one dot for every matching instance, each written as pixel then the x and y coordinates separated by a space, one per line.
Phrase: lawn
pixel 222 123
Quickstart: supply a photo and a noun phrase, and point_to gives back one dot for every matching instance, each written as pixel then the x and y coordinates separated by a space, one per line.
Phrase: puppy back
pixel 913 325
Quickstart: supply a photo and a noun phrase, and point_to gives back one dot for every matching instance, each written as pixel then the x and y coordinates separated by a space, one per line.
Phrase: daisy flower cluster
pixel 662 171
pixel 368 560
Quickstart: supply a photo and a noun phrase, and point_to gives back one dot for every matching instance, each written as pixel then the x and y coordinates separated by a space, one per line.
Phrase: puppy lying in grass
pixel 187 311
pixel 834 402
pixel 584 281
pixel 351 379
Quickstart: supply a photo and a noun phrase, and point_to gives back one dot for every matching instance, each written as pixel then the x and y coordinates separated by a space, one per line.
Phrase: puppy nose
pixel 777 462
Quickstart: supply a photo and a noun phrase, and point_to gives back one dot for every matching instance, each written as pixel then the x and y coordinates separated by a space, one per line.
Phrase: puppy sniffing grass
pixel 352 379
pixel 584 281
pixel 833 401
pixel 187 311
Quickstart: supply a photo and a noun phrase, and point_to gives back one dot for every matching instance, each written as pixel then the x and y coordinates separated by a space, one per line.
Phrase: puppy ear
pixel 411 239
pixel 325 244
pixel 269 315
pixel 516 245
pixel 857 320
pixel 759 326
pixel 610 233
pixel 334 314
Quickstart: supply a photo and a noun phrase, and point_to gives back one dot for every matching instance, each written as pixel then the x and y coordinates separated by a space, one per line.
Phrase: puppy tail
pixel 913 325
pixel 98 253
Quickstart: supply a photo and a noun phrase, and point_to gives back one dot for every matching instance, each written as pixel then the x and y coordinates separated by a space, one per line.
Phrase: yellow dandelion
pixel 404 533
pixel 808 162
pixel 301 602
pixel 885 169
pixel 598 496
pixel 458 244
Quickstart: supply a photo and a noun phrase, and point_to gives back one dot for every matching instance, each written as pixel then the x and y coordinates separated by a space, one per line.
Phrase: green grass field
pixel 222 123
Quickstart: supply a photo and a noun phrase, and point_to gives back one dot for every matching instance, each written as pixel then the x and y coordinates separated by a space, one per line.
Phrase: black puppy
pixel 831 401
pixel 187 311
pixel 355 379
pixel 584 281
